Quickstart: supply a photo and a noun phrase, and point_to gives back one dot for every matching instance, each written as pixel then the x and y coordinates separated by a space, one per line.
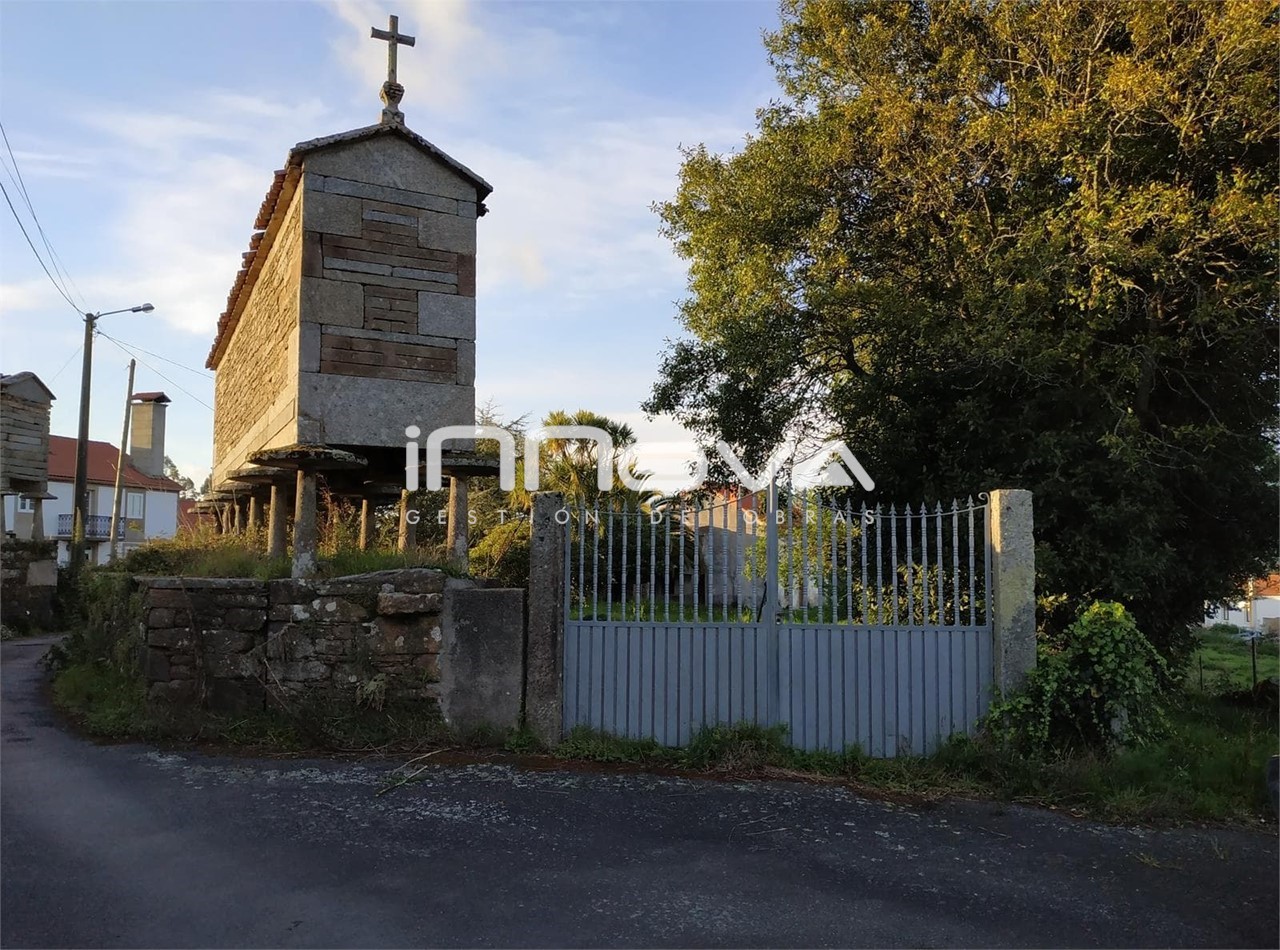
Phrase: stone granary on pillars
pixel 353 318
pixel 24 445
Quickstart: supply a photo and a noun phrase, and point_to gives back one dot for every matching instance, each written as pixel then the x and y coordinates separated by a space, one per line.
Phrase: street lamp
pixel 80 496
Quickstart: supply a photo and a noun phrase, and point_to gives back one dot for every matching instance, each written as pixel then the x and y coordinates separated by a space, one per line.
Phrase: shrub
pixel 109 623
pixel 503 554
pixel 743 747
pixel 1100 688
pixel 1224 629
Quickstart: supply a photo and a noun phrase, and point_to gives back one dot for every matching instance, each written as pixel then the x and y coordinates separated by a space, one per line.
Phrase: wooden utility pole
pixel 124 436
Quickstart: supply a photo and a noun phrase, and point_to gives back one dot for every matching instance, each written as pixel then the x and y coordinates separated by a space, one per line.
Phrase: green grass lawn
pixel 1225 661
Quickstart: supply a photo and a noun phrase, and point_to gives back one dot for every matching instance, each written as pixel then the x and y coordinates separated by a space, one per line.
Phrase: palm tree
pixel 569 465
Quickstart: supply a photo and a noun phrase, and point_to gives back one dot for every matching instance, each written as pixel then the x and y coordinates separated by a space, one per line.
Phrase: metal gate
pixel 850 626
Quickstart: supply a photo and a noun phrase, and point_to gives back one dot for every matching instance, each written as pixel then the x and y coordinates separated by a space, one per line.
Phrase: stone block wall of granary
pixel 24 435
pixel 415 635
pixel 388 294
pixel 256 384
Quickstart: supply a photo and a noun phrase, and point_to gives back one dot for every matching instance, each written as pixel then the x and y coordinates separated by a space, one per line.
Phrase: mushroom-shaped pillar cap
pixel 376 490
pixel 468 464
pixel 309 458
pixel 258 475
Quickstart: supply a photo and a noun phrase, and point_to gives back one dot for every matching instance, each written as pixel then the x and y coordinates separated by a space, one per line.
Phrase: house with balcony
pixel 149 506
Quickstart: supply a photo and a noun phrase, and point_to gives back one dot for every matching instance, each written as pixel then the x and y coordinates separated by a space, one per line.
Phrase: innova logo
pixel 662 467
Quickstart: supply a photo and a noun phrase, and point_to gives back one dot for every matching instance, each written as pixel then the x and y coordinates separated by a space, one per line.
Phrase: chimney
pixel 146 432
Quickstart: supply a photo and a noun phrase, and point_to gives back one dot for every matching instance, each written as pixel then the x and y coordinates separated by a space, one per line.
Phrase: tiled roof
pixel 1267 586
pixel 279 194
pixel 102 466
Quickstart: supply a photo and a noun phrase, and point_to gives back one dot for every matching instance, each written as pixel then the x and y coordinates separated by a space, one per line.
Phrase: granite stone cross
pixel 393 38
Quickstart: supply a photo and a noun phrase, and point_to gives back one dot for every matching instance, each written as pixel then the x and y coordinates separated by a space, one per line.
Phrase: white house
pixel 149 509
pixel 1259 609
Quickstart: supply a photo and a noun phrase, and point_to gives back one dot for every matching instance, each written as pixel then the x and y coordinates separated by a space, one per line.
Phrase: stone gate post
pixel 1013 587
pixel 544 637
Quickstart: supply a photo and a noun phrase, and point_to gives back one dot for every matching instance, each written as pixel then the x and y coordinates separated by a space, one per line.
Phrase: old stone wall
pixel 28 583
pixel 411 635
pixel 255 389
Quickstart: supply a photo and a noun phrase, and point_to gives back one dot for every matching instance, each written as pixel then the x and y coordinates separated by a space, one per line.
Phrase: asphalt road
pixel 124 845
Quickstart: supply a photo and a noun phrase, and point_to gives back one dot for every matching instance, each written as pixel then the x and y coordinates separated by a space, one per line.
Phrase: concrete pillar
pixel 366 523
pixel 408 537
pixel 255 513
pixel 37 519
pixel 277 519
pixel 304 526
pixel 456 533
pixel 545 644
pixel 1013 587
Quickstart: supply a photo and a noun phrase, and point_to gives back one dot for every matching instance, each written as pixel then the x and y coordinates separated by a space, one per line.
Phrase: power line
pixel 181 389
pixel 22 228
pixel 26 197
pixel 66 364
pixel 189 369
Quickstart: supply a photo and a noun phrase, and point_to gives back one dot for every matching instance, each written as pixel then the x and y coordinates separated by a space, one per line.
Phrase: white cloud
pixel 178 201
pixel 55 164
pixel 455 60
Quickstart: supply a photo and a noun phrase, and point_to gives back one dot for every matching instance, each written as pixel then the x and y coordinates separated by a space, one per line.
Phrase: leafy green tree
pixel 171 472
pixel 1010 244
pixel 500 545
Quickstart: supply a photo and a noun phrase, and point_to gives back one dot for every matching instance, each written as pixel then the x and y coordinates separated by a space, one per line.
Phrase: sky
pixel 146 134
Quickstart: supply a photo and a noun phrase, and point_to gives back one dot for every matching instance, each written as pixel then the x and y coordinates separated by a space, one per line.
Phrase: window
pixel 26 504
pixel 133 504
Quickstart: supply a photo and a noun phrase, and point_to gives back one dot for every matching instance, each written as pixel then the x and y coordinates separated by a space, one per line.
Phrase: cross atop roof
pixel 392 91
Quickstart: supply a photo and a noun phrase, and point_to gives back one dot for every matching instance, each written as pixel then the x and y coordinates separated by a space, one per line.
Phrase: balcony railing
pixel 96 527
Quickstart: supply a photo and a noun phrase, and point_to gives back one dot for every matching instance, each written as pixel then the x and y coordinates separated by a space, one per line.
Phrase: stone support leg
pixel 304 526
pixel 456 536
pixel 366 524
pixel 408 536
pixel 277 518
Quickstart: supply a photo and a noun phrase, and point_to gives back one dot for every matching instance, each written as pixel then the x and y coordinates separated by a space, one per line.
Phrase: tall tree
pixel 1010 244
pixel 171 472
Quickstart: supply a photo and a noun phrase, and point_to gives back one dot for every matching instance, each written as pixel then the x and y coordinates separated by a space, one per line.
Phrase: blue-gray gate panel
pixel 888 690
pixel 662 681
